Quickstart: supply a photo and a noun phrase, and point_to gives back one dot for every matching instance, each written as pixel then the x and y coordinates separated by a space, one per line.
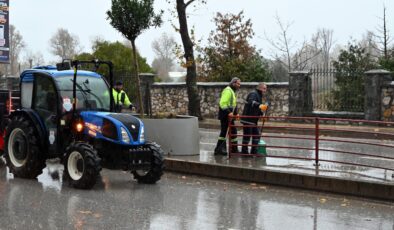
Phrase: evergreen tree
pixel 120 56
pixel 131 18
pixel 350 68
pixel 230 54
pixel 388 64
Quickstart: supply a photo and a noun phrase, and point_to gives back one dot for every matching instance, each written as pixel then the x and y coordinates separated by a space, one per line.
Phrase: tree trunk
pixel 385 35
pixel 191 76
pixel 137 77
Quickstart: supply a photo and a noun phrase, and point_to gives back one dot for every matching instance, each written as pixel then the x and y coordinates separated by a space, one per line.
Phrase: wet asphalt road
pixel 178 202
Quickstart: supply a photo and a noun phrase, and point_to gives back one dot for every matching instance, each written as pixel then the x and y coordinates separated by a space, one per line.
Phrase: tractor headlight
pixel 142 134
pixel 125 135
pixel 78 125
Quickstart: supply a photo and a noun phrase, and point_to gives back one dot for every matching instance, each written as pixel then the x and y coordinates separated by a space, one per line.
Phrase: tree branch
pixel 188 3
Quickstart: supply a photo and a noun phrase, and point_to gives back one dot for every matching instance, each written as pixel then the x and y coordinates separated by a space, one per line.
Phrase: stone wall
pixel 172 97
pixel 388 102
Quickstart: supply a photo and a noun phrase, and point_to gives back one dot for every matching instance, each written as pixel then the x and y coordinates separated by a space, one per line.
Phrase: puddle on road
pixel 301 166
pixel 50 178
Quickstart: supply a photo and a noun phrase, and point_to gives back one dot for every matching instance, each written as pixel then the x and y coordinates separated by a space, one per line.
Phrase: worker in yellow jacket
pixel 227 107
pixel 120 97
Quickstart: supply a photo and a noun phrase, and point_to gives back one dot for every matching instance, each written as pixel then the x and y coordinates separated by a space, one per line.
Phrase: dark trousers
pixel 248 131
pixel 224 128
pixel 221 145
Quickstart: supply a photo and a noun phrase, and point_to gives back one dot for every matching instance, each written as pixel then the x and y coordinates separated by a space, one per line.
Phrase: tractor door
pixel 45 103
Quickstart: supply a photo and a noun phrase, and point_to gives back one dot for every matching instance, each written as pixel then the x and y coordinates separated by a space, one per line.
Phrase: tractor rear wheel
pixel 155 172
pixel 81 165
pixel 23 153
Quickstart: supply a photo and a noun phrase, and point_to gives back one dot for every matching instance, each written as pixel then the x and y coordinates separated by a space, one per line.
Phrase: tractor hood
pixel 121 128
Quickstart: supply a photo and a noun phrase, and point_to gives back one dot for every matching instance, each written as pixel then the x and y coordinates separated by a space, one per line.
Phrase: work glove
pixel 263 107
pixel 233 116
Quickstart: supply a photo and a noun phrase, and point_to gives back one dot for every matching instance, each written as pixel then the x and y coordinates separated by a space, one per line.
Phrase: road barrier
pixel 373 140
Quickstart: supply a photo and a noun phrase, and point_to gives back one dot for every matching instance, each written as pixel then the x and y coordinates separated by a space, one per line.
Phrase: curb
pixel 375 190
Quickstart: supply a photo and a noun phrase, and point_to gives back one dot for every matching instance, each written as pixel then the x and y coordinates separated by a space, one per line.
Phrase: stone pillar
pixel 147 80
pixel 373 82
pixel 300 94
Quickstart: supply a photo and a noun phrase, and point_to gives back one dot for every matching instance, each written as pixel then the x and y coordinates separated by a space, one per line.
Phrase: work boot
pixel 245 150
pixel 221 148
pixel 253 150
pixel 234 149
pixel 221 151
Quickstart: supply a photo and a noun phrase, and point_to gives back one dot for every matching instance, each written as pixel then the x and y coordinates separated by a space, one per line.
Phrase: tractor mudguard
pixel 38 124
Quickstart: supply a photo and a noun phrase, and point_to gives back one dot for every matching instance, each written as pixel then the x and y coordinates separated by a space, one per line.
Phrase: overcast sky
pixel 38 20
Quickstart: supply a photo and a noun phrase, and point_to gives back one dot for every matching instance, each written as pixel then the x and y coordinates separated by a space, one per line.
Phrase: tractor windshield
pixel 92 93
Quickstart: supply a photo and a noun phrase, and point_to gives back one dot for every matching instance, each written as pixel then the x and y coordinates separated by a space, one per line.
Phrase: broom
pixel 261 148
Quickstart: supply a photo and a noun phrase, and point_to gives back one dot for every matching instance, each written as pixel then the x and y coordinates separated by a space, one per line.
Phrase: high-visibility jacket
pixel 121 98
pixel 227 103
pixel 228 99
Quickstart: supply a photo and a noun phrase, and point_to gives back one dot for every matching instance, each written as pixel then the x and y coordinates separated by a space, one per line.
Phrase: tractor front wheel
pixel 23 154
pixel 81 165
pixel 155 172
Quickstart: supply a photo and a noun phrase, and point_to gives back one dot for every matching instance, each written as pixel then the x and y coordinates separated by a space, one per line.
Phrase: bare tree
pixel 324 42
pixel 16 45
pixel 316 52
pixel 279 71
pixel 32 59
pixel 164 49
pixel 283 43
pixel 162 67
pixel 370 45
pixel 383 36
pixel 305 57
pixel 297 58
pixel 64 44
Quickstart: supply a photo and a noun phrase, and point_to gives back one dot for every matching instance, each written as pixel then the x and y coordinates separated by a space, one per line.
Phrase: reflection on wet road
pixel 208 139
pixel 178 202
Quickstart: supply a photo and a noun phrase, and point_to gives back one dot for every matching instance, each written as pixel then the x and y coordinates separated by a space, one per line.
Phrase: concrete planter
pixel 176 136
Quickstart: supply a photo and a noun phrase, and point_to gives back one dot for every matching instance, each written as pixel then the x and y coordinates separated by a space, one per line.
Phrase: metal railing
pixel 370 143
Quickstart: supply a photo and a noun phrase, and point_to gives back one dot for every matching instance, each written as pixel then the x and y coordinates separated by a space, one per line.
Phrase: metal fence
pixel 337 91
pixel 368 146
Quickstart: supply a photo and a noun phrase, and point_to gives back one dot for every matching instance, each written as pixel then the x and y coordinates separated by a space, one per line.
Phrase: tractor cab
pixel 49 93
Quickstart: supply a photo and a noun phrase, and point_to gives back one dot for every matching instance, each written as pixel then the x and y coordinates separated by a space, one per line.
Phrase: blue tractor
pixel 67 113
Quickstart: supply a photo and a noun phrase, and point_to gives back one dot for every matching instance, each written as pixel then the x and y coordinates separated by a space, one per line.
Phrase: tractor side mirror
pixel 63 66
